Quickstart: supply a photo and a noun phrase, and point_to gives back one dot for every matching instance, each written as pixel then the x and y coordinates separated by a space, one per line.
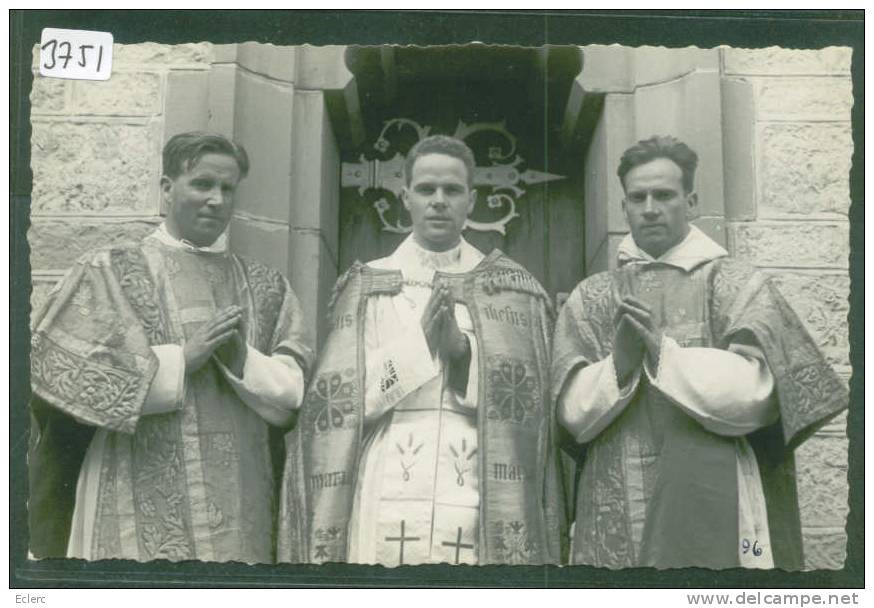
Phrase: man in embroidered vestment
pixel 690 381
pixel 175 358
pixel 427 434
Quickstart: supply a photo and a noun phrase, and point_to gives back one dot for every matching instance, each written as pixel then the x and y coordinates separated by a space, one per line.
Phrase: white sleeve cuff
pixel 271 385
pixel 728 391
pixel 168 387
pixel 592 399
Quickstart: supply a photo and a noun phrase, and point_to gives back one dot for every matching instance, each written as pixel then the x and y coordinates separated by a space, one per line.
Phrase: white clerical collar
pixel 436 260
pixel 694 250
pixel 163 235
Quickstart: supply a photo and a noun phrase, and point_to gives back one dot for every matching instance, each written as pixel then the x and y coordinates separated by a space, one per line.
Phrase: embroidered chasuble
pixel 177 466
pixel 690 464
pixel 392 465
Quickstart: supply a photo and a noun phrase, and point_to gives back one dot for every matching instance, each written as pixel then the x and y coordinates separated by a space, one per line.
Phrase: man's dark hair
pixel 440 144
pixel 660 146
pixel 185 150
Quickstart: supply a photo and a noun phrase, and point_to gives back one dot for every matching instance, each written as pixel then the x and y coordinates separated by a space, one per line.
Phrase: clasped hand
pixel 441 328
pixel 222 335
pixel 634 335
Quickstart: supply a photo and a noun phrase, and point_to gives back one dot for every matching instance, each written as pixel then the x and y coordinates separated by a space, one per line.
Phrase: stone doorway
pixel 508 104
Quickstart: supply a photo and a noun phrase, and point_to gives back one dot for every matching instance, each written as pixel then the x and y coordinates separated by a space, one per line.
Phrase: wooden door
pixel 529 193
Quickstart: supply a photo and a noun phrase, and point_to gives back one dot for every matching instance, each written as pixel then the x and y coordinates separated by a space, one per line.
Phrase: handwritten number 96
pixel 63 51
pixel 755 548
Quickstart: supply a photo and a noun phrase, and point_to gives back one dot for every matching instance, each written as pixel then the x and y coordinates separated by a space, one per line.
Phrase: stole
pixel 521 495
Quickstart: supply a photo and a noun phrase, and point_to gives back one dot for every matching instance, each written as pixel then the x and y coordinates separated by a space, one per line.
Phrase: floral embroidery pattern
pixel 339 286
pixel 159 495
pixel 93 390
pixel 221 447
pixel 408 455
pixel 132 272
pixel 512 544
pixel 268 290
pixel 107 536
pixel 81 300
pixel 728 277
pixel 216 274
pixel 514 392
pixel 603 535
pixel 462 461
pixel 593 319
pixel 809 389
pixel 328 544
pixel 214 515
pixel 172 266
pixel 334 400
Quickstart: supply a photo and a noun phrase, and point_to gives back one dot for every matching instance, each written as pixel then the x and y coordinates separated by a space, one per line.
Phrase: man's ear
pixel 472 202
pixel 405 192
pixel 692 210
pixel 166 187
pixel 625 211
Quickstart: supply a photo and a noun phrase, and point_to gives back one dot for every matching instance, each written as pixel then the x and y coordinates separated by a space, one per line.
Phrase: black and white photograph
pixel 580 306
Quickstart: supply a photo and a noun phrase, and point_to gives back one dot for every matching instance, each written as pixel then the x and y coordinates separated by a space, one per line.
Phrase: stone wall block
pixel 821 302
pixel 266 242
pixel 322 68
pixel 221 96
pixel 824 549
pixel 312 137
pixel 311 263
pixel 714 227
pixel 821 465
pixel 598 262
pixel 263 124
pixel 49 95
pixel 162 54
pixel 804 169
pixel 837 426
pixel 56 244
pixel 738 143
pixel 619 134
pixel 596 189
pixel 199 55
pixel 277 62
pixel 124 94
pixel 94 167
pixel 654 64
pixel 791 244
pixel 689 108
pixel 784 62
pixel 224 53
pixel 616 68
pixel 804 98
pixel 607 69
pixel 186 102
pixel 612 248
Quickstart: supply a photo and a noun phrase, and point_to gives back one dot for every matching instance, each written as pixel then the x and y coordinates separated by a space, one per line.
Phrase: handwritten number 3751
pixel 63 51
pixel 747 547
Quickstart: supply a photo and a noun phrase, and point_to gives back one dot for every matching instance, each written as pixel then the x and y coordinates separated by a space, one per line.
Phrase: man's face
pixel 201 199
pixel 657 206
pixel 439 200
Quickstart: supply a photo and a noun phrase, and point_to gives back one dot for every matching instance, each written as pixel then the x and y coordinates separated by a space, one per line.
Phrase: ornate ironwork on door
pixel 503 180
